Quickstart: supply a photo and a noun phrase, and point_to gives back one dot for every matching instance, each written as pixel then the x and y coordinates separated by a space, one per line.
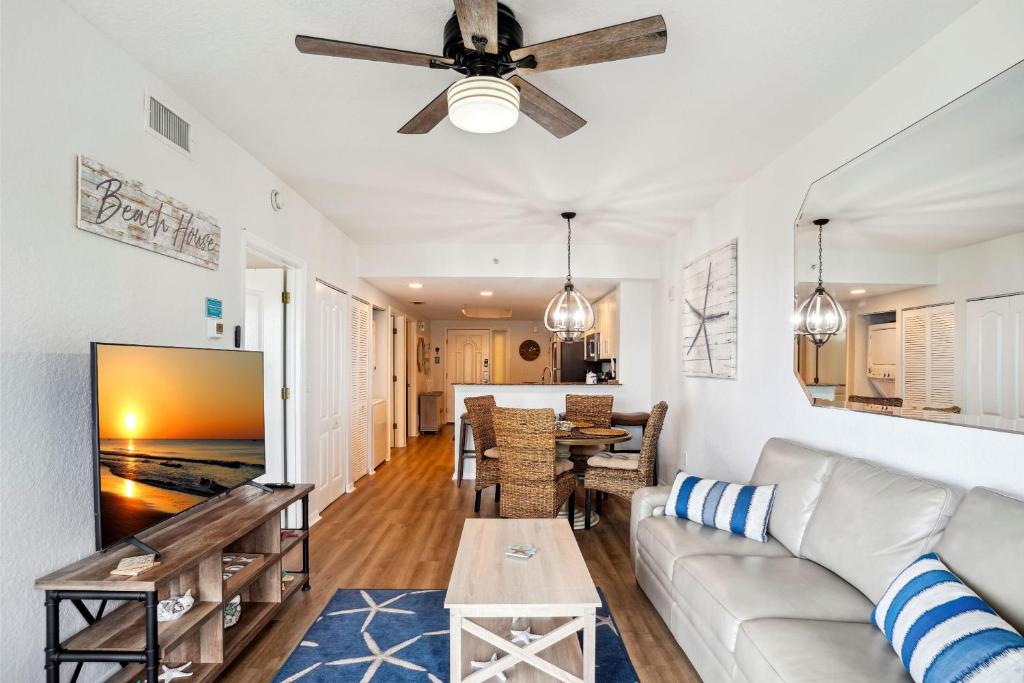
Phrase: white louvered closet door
pixel 359 395
pixel 929 357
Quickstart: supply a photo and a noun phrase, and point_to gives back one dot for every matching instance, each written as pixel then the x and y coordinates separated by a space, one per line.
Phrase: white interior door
pixel 264 331
pixel 467 362
pixel 986 390
pixel 359 391
pixel 328 383
pixel 994 377
pixel 399 381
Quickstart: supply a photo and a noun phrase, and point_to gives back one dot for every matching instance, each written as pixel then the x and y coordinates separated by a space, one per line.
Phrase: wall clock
pixel 529 350
pixel 422 355
pixel 709 314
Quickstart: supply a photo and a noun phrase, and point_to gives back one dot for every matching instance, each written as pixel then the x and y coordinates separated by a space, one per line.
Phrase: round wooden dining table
pixel 583 434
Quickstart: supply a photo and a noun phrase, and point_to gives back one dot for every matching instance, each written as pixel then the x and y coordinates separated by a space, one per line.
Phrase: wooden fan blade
pixel 478 18
pixel 632 39
pixel 428 117
pixel 336 48
pixel 551 114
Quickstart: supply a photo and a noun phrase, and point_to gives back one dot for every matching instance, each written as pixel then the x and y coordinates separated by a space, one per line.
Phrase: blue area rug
pixel 402 635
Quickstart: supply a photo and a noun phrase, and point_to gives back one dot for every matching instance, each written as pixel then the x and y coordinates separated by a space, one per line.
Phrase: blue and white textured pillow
pixel 738 508
pixel 943 632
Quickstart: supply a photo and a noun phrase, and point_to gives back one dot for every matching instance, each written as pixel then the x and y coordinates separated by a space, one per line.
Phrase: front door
pixel 467 361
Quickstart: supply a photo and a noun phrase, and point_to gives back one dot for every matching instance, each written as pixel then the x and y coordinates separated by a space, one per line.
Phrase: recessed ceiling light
pixel 486 293
pixel 415 285
pixel 858 291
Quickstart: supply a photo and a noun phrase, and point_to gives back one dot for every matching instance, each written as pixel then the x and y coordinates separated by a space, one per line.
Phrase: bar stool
pixel 465 429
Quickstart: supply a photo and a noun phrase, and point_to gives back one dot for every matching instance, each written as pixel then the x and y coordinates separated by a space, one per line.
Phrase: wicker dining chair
pixel 621 474
pixel 593 408
pixel 534 483
pixel 482 423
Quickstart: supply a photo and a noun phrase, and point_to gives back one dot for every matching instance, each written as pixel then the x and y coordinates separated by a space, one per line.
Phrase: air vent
pixel 169 125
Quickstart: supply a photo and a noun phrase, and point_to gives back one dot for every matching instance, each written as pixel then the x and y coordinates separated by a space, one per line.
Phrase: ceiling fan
pixel 484 42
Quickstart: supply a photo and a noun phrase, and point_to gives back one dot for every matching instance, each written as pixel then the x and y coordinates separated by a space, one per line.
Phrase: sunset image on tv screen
pixel 176 426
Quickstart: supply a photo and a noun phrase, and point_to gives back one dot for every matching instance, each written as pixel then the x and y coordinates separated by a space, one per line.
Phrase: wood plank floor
pixel 400 529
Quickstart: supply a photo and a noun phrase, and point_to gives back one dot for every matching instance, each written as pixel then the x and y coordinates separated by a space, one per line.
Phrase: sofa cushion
pixel 870 523
pixel 799 474
pixel 712 661
pixel 942 631
pixel 806 651
pixel 726 591
pixel 666 539
pixel 983 545
pixel 737 508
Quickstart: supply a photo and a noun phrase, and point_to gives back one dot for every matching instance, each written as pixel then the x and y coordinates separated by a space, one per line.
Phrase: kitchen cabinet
pixel 606 312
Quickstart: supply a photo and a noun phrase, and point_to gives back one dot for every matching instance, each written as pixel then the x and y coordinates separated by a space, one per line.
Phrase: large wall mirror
pixel 915 301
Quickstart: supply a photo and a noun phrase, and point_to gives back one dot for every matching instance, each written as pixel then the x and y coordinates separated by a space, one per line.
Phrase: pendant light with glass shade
pixel 820 317
pixel 569 315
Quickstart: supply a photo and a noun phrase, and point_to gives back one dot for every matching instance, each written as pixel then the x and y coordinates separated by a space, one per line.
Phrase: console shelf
pixel 245 521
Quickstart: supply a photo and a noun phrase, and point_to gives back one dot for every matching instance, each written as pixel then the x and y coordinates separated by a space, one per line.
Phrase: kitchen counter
pixel 613 383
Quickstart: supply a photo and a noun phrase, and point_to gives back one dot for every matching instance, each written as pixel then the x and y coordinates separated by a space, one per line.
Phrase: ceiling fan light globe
pixel 483 104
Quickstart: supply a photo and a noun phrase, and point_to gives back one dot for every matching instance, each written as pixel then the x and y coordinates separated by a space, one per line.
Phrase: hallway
pixel 400 529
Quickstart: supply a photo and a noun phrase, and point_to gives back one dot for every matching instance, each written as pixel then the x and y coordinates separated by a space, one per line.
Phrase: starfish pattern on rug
pixel 378 657
pixel 337 639
pixel 607 621
pixel 172 672
pixel 524 637
pixel 373 609
pixel 483 665
pixel 295 677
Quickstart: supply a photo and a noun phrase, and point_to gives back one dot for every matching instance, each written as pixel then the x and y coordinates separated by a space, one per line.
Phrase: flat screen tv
pixel 173 427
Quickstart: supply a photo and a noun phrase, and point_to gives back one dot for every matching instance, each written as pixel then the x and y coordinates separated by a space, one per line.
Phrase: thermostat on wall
pixel 214 313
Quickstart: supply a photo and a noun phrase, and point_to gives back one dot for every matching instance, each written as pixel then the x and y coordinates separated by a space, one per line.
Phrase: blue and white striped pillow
pixel 741 509
pixel 943 632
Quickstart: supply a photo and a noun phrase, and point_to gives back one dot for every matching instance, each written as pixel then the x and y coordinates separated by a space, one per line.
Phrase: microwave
pixel 592 347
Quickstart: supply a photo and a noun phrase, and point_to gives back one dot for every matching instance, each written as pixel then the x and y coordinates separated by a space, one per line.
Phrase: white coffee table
pixel 552 593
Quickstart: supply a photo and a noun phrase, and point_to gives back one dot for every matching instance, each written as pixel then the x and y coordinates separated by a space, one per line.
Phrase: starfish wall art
pixel 709 314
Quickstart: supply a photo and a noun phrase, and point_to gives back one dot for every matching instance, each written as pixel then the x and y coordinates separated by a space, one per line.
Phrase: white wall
pixel 717 427
pixel 67 90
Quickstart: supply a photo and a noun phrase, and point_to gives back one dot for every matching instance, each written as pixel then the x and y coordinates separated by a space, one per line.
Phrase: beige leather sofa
pixel 798 608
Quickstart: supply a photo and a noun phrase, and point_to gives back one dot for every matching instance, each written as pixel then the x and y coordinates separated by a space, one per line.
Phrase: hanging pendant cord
pixel 568 251
pixel 821 281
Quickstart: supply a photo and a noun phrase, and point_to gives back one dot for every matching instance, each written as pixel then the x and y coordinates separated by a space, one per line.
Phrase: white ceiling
pixel 740 82
pixel 443 297
pixel 949 181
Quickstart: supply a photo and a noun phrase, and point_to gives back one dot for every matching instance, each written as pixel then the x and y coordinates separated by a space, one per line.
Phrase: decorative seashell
pixel 233 611
pixel 175 606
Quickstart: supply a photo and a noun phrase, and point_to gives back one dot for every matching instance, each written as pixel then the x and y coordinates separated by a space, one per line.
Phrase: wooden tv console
pixel 191 547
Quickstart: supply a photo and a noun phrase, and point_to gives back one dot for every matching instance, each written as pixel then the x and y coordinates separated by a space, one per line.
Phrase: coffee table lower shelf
pixel 556 656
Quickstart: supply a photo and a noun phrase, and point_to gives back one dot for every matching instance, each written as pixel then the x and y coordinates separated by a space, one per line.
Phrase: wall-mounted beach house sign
pixel 115 206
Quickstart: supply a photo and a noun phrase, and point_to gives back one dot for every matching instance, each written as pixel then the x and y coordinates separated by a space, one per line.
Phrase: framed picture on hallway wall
pixel 709 322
